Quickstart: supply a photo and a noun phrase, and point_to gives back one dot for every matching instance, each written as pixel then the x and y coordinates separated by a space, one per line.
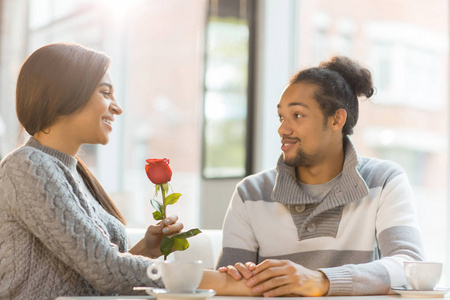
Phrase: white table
pixel 105 298
pixel 382 297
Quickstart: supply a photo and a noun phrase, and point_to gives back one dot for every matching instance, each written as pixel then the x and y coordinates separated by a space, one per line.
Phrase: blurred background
pixel 199 81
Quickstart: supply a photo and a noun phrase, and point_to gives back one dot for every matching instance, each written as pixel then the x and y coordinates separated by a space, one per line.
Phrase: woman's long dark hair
pixel 98 192
pixel 57 80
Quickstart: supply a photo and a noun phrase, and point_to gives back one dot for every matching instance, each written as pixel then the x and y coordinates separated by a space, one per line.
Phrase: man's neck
pixel 324 171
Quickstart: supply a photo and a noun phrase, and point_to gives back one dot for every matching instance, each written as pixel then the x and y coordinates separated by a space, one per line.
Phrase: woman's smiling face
pixel 93 122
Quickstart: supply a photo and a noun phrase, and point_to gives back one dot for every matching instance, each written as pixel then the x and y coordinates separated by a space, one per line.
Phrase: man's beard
pixel 300 159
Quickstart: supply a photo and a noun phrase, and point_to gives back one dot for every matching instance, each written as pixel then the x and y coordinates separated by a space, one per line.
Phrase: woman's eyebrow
pixel 105 84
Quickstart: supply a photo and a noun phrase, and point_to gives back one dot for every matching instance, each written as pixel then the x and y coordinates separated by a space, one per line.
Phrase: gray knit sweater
pixel 54 239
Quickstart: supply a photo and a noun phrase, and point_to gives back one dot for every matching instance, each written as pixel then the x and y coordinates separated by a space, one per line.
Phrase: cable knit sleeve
pixel 39 196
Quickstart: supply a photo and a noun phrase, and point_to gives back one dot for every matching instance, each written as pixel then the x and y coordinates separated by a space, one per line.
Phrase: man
pixel 325 221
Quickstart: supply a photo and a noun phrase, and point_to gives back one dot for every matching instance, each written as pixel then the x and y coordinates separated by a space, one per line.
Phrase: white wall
pixel 277 46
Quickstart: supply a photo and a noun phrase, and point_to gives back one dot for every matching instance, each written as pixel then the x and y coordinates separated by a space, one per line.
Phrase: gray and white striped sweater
pixel 358 235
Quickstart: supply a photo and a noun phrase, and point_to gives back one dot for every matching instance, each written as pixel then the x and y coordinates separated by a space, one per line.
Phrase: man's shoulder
pixel 258 186
pixel 377 172
pixel 266 175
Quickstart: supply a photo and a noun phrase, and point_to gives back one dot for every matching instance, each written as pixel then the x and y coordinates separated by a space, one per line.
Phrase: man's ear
pixel 339 119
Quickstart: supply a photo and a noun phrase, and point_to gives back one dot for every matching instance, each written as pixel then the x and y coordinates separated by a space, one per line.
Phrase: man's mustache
pixel 286 138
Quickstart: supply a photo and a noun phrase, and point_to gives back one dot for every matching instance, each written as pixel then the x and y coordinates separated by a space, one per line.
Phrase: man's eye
pixel 280 118
pixel 298 116
pixel 106 93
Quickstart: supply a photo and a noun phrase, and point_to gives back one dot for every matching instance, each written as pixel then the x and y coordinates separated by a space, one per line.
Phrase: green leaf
pixel 187 234
pixel 172 198
pixel 157 215
pixel 166 246
pixel 180 244
pixel 156 205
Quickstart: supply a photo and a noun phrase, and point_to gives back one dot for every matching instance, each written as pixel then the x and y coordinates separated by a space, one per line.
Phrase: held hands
pixel 273 278
pixel 239 270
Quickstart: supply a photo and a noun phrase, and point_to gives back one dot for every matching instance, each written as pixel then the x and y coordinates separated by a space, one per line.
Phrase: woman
pixel 60 233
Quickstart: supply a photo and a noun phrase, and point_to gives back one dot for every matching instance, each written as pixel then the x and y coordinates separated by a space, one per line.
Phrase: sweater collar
pixel 69 161
pixel 351 186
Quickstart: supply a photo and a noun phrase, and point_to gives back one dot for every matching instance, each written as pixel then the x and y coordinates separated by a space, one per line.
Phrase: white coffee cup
pixel 178 276
pixel 423 275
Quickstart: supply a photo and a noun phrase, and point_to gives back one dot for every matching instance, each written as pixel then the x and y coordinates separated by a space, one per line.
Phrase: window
pixel 46 12
pixel 226 139
pixel 409 72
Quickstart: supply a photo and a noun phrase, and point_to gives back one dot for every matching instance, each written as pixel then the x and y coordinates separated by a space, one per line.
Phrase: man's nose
pixel 284 128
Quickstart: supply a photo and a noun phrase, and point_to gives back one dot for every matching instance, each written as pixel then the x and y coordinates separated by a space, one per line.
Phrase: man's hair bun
pixel 358 78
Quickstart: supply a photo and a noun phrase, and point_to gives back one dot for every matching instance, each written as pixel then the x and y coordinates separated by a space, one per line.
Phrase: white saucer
pixel 408 292
pixel 163 293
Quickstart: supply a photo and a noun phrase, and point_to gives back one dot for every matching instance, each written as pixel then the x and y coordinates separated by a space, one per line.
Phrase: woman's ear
pixel 339 119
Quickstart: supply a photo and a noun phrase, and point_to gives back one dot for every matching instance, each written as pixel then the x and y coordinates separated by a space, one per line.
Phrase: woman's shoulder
pixel 30 171
pixel 27 158
pixel 23 154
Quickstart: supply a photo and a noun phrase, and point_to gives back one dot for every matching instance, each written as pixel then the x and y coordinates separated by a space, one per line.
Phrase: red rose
pixel 158 170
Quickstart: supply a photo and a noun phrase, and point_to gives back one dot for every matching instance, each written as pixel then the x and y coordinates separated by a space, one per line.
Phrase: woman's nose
pixel 115 108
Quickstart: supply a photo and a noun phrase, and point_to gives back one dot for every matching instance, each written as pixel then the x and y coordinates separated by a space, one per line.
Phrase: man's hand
pixel 239 270
pixel 282 277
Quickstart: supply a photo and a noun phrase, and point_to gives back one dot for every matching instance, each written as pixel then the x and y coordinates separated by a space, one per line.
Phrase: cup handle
pixel 153 272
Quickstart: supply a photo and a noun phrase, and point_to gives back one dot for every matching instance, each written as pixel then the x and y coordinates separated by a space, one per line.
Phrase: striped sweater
pixel 359 234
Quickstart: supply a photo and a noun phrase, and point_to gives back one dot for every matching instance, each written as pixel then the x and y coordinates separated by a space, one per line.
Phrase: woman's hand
pixel 239 270
pixel 149 245
pixel 224 284
pixel 155 233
